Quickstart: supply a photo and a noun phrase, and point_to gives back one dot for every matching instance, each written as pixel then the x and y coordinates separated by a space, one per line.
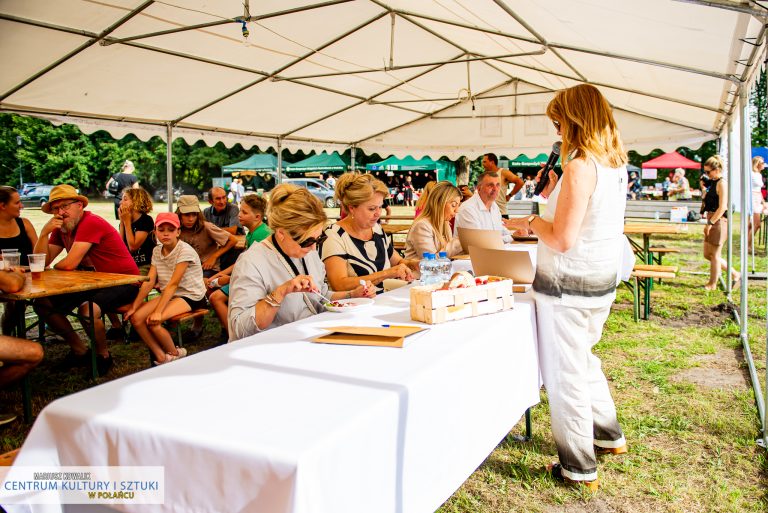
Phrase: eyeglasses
pixel 64 206
pixel 311 241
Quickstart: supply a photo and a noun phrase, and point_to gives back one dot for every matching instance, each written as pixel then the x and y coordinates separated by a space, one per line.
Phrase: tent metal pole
pixel 743 309
pixel 279 160
pixel 169 163
pixel 765 406
pixel 352 160
pixel 732 173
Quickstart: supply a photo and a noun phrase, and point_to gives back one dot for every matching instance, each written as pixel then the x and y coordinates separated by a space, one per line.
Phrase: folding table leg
pixel 635 298
pixel 26 388
pixel 94 368
pixel 648 285
pixel 528 428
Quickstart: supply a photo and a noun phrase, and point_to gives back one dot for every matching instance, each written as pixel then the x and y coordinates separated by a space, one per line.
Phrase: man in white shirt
pixel 490 165
pixel 480 211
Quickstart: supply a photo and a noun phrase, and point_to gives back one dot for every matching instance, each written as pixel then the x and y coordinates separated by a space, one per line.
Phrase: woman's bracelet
pixel 349 294
pixel 271 301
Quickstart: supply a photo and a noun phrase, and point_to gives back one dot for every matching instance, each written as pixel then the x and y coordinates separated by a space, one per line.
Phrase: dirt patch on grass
pixel 698 318
pixel 722 370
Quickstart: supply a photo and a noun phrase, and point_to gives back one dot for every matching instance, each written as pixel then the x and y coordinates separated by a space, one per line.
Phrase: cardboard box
pixel 678 214
pixel 433 306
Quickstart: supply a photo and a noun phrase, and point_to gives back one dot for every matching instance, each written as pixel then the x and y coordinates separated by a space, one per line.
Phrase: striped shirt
pixel 363 257
pixel 191 285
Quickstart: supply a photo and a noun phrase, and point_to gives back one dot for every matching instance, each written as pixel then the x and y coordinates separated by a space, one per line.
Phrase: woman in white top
pixel 431 231
pixel 281 279
pixel 356 247
pixel 579 256
pixel 758 164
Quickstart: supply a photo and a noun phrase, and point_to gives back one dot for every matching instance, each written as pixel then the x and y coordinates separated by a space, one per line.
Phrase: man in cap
pixel 122 180
pixel 91 244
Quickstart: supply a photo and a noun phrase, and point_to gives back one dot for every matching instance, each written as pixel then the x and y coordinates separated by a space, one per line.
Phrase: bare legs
pixel 19 356
pixel 219 302
pixel 716 265
pixel 156 336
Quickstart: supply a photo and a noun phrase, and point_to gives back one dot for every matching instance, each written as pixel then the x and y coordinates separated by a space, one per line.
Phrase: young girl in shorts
pixel 252 210
pixel 177 272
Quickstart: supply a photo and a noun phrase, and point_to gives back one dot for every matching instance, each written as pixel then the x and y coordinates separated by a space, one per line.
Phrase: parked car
pixel 319 188
pixel 27 187
pixel 37 196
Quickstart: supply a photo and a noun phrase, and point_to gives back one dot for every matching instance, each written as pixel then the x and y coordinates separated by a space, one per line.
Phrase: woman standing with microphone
pixel 579 256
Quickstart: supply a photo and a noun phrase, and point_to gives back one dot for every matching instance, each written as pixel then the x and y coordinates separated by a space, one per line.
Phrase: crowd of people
pixel 295 262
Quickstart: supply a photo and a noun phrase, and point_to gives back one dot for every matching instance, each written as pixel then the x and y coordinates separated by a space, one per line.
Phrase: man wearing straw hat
pixel 91 243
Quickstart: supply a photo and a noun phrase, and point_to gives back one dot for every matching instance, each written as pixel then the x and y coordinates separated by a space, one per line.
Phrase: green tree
pixel 759 111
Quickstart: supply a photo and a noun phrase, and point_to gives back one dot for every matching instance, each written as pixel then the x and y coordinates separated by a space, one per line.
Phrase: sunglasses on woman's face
pixel 311 241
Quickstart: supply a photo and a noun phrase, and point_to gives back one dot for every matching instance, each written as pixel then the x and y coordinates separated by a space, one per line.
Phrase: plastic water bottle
pixel 445 266
pixel 427 269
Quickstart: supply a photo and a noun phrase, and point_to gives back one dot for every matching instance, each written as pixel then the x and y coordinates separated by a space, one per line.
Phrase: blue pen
pixel 385 325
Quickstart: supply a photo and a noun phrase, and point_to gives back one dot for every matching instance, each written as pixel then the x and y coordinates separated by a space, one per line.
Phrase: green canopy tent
pixel 524 161
pixel 261 162
pixel 257 171
pixel 321 163
pixel 444 169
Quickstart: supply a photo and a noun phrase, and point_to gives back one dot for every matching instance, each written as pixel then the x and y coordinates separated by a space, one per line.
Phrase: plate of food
pixel 346 305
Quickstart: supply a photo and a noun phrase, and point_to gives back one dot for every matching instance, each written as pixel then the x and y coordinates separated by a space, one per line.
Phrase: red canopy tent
pixel 670 161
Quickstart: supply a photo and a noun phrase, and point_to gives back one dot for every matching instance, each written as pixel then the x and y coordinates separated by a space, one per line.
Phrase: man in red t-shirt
pixel 91 244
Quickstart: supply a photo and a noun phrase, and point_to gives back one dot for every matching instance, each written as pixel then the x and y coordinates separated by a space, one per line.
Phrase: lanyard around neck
pixel 288 259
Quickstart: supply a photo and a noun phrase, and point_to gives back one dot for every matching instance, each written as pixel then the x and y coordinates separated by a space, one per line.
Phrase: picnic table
pixel 648 229
pixel 53 282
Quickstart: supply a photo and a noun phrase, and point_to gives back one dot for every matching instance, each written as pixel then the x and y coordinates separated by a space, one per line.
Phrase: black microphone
pixel 551 161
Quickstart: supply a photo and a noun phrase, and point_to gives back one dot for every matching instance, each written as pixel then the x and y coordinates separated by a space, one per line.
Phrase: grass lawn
pixel 679 381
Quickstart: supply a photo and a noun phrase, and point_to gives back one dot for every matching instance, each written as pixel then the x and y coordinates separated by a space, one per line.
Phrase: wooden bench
pixel 176 320
pixel 6 460
pixel 642 277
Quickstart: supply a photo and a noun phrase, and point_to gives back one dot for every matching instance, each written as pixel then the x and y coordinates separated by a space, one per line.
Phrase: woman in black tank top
pixel 714 206
pixel 15 233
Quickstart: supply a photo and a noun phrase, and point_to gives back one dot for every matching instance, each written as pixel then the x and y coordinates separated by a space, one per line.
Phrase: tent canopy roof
pixel 409 77
pixel 670 161
pixel 259 161
pixel 321 162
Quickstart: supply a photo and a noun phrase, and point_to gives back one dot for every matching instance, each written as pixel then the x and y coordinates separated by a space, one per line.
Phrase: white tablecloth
pixel 276 424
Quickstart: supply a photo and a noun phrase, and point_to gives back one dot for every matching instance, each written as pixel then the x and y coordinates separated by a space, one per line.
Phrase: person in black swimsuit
pixel 16 232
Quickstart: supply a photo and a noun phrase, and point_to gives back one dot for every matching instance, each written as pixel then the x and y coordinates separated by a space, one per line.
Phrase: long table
pixel 648 229
pixel 274 423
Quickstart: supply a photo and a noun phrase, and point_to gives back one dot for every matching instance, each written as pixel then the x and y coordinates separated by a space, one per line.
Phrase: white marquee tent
pixel 403 77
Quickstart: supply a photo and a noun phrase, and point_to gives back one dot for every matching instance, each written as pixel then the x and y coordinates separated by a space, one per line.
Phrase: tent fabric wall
pixel 259 162
pixel 402 77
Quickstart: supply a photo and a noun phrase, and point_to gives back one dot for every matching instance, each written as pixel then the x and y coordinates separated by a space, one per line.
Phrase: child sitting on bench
pixel 177 272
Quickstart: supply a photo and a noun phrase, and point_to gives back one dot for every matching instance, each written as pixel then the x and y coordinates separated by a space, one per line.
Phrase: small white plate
pixel 350 304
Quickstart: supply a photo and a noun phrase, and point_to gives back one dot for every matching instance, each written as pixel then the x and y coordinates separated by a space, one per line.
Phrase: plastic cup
pixel 36 265
pixel 11 260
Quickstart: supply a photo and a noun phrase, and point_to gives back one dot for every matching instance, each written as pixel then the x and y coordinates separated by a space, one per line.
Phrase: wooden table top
pixel 638 228
pixel 395 228
pixel 55 282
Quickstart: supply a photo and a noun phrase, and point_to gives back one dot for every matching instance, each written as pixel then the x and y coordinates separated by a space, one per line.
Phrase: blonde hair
pixel 755 161
pixel 587 125
pixel 714 162
pixel 354 189
pixel 434 209
pixel 295 210
pixel 425 194
pixel 142 201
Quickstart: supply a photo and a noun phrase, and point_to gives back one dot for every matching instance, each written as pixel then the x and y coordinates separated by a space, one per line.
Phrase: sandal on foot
pixel 182 352
pixel 611 450
pixel 556 471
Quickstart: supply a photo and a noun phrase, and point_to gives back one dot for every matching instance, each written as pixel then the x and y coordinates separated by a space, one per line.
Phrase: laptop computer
pixel 480 238
pixel 507 263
